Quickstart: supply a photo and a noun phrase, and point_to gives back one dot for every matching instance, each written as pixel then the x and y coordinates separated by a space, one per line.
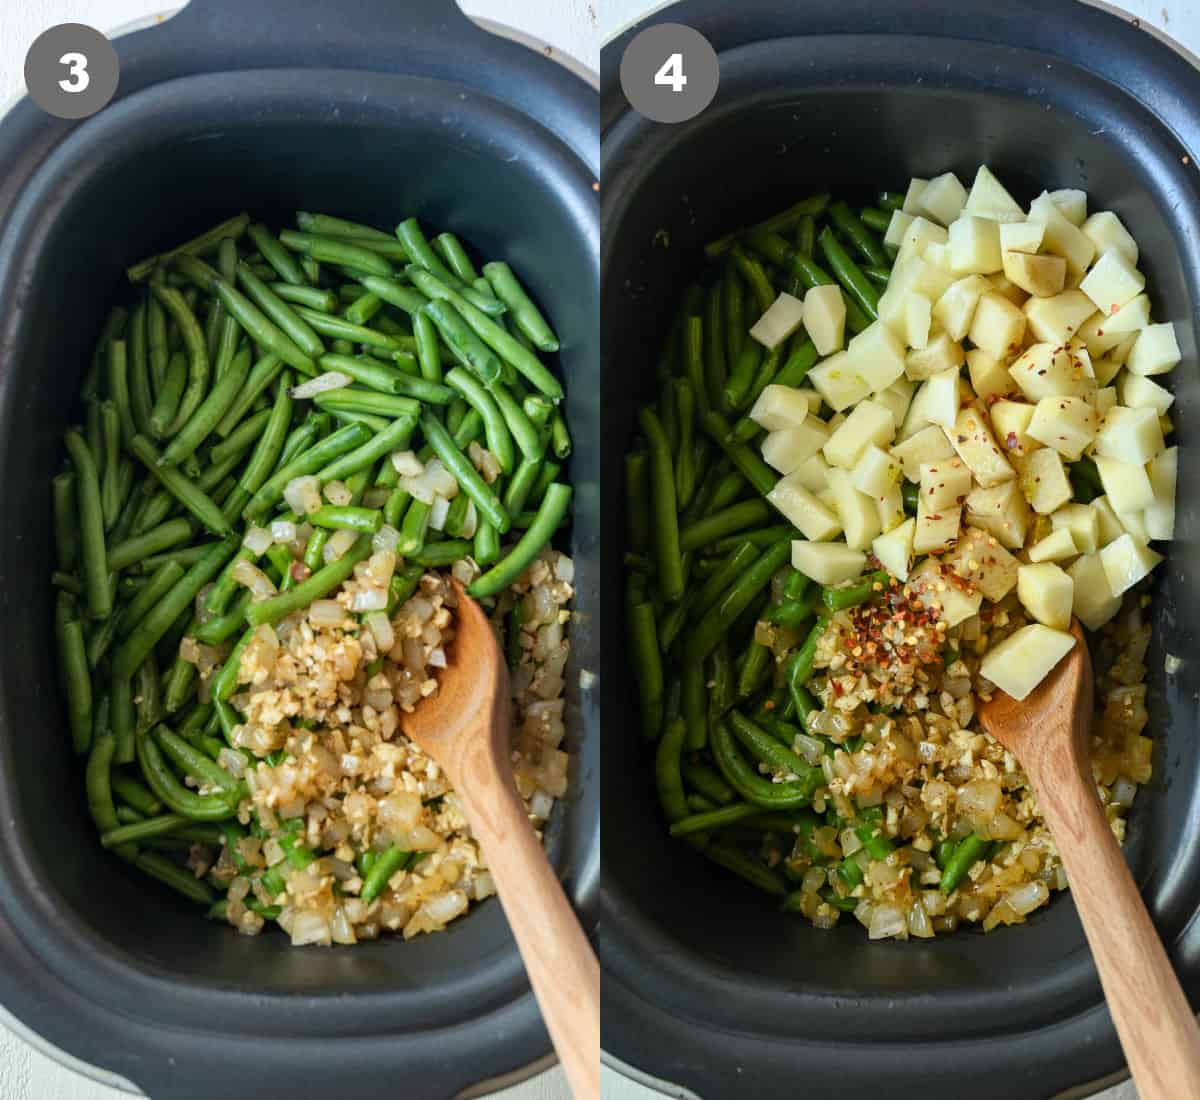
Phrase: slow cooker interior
pixel 275 145
pixel 780 129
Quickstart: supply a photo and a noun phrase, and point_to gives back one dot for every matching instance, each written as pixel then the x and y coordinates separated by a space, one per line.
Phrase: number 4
pixel 77 65
pixel 671 73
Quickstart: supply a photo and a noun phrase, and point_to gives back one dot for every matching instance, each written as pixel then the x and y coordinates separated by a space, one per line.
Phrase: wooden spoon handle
pixel 1157 1028
pixel 561 964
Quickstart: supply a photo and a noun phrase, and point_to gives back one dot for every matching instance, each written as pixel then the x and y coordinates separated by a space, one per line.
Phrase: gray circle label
pixel 670 73
pixel 71 71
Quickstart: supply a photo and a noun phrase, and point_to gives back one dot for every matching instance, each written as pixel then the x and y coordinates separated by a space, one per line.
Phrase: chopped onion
pixel 418 488
pixel 437 658
pixel 339 544
pixel 326 613
pixel 1123 791
pixel 919 924
pixel 337 493
pixel 407 464
pixel 442 480
pixel 248 574
pixel 809 747
pixel 233 762
pixel 438 513
pixel 386 538
pixel 257 540
pixel 303 495
pixel 323 383
pixel 445 908
pixel 1027 897
pixel 369 599
pixel 849 841
pixel 283 531
pixel 470 521
pixel 484 461
pixel 886 921
pixel 540 805
pixel 564 569
pixel 782 317
pixel 308 927
pixel 380 626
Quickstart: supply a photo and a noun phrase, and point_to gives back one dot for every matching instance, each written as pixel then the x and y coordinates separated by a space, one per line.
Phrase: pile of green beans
pixel 192 431
pixel 723 632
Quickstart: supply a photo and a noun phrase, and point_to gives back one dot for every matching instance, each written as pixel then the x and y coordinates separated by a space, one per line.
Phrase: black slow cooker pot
pixel 705 985
pixel 373 110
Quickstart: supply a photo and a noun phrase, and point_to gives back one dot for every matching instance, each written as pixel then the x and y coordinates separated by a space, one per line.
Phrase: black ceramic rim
pixel 58 978
pixel 695 1023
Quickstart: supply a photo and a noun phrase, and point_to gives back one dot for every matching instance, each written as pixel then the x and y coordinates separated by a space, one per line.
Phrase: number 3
pixel 671 73
pixel 80 79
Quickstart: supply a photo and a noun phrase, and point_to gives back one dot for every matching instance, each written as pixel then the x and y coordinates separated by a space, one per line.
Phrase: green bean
pixel 204 420
pixel 179 879
pixel 715 368
pixel 801 359
pixel 141 395
pixel 708 782
pixel 288 318
pixel 370 402
pixel 718 525
pixel 468 478
pixel 158 585
pixel 747 461
pixel 394 293
pixel 308 462
pixel 147 633
pixel 777 223
pixel 110 499
pixel 91 528
pixel 99 790
pixel 193 762
pixel 173 301
pixel 222 627
pixel 463 342
pixel 729 569
pixel 310 296
pixel 806 236
pixel 197 246
pixel 328 226
pixel 66 529
pixel 436 555
pixel 848 273
pixel 742 377
pixel 347 518
pixel 685 451
pixel 692 700
pixel 100 637
pixel 425 259
pixel 520 427
pixel 968 852
pixel 840 599
pixel 719 675
pixel 524 313
pixel 520 485
pixel 795 612
pixel 73 657
pixel 637 502
pixel 851 226
pixel 142 830
pixel 135 794
pixel 389 862
pixel 720 818
pixel 647 667
pixel 342 251
pixel 668 778
pixel 756 278
pixel 747 782
pixel 722 616
pixel 487 543
pixel 261 375
pixel 156 340
pixel 166 405
pixel 325 580
pixel 753 669
pixel 880 275
pixel 560 437
pixel 665 525
pixel 186 557
pixel 800 668
pixel 149 701
pixel 876 844
pixel 694 363
pixel 68 582
pixel 190 495
pixel 752 871
pixel 121 717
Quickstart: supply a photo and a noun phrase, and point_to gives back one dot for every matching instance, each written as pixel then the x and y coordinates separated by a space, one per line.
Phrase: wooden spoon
pixel 466 727
pixel 1048 733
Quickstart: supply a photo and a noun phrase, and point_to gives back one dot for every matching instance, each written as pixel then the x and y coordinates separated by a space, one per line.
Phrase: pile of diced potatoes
pixel 1009 344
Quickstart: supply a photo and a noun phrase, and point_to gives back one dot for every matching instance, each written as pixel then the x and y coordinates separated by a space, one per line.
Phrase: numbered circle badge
pixel 670 73
pixel 71 71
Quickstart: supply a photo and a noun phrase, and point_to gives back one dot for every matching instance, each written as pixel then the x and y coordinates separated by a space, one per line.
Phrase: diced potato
pixel 1133 316
pixel 972 438
pixel 838 381
pixel 1160 516
pixel 927 445
pixel 789 448
pixel 1107 233
pixel 869 422
pixel 896 229
pixel 1025 658
pixel 857 512
pixel 1051 370
pixel 812 397
pixel 1126 485
pixel 876 472
pixel 1097 335
pixel 955 309
pixel 914 276
pixel 812 474
pixel 804 510
pixel 1108 526
pixel 1061 237
pixel 835 422
pixel 998 326
pixel 935 255
pixel 939 354
pixel 825 318
pixel 980 559
pixel 1109 366
pixel 1083 522
pixel 919 235
pixel 1044 481
pixel 942 198
pixel 945 484
pixel 936 402
pixel 1093 601
pixel 1010 424
pixel 974 246
pixel 1126 561
pixel 1130 435
pixel 897 397
pixel 1001 511
pixel 1055 320
pixel 989 377
pixel 1047 593
pixel 894 549
pixel 1155 351
pixel 1057 546
pixel 1135 524
pixel 781 318
pixel 890 506
pixel 877 354
pixel 918 315
pixel 1021 236
pixel 780 407
pixel 916 187
pixel 937 528
pixel 943 596
pixel 990 198
pixel 1104 400
pixel 1068 424
pixel 1006 288
pixel 1072 203
pixel 1041 276
pixel 827 562
pixel 1112 282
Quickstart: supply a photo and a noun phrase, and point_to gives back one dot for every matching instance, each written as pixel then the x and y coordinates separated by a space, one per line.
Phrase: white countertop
pixel 567 26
